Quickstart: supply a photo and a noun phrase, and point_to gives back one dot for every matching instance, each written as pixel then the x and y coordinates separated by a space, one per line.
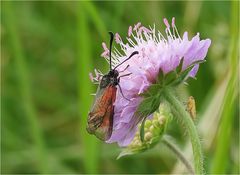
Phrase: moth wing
pixel 100 118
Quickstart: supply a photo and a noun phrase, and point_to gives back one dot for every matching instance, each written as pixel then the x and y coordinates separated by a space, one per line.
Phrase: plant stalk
pixel 191 129
pixel 178 153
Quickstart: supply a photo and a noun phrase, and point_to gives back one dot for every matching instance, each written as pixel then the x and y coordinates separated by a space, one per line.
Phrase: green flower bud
pixel 161 119
pixel 156 123
pixel 151 128
pixel 148 123
pixel 153 131
pixel 148 136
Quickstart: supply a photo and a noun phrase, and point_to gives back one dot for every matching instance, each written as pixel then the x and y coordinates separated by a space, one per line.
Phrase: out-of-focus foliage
pixel 47 51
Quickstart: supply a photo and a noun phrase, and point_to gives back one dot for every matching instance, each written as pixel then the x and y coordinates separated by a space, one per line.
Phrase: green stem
pixel 178 153
pixel 191 129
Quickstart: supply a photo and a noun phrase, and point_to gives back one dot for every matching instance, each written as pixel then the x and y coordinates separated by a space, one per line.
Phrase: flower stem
pixel 178 153
pixel 191 129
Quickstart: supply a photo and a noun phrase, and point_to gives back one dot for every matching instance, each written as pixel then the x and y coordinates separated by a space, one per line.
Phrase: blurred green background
pixel 47 52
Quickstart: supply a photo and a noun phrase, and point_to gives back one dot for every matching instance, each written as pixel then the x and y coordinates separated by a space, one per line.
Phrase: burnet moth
pixel 100 117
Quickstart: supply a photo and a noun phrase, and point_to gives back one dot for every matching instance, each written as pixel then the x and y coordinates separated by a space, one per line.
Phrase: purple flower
pixel 155 52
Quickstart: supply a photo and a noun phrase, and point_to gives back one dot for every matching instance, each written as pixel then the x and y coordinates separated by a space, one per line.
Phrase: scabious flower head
pixel 158 54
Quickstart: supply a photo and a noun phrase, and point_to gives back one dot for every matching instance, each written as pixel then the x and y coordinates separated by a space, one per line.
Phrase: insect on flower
pixel 191 107
pixel 100 118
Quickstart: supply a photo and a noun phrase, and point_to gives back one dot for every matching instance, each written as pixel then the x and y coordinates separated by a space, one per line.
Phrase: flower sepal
pixel 177 76
pixel 182 76
pixel 152 97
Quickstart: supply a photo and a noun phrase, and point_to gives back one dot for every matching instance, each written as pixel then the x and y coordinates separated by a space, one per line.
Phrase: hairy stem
pixel 191 129
pixel 178 153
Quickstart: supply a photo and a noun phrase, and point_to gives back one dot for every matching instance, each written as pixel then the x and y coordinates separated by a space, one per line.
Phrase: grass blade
pixel 85 88
pixel 93 14
pixel 25 87
pixel 220 158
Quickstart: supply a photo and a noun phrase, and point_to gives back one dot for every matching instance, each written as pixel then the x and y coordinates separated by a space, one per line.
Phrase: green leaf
pixel 152 90
pixel 170 77
pixel 182 76
pixel 142 131
pixel 125 152
pixel 128 151
pixel 180 66
pixel 148 105
pixel 160 77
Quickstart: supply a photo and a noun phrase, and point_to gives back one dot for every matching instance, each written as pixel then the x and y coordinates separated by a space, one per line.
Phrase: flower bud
pixel 153 131
pixel 148 136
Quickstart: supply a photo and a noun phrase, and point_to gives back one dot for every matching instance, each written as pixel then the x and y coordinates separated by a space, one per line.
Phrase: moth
pixel 100 117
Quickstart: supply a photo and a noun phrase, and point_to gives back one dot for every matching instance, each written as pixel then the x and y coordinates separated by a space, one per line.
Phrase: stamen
pixel 161 37
pixel 173 22
pixel 144 29
pixel 131 42
pixel 96 73
pixel 118 38
pixel 129 31
pixel 137 26
pixel 137 38
pixel 117 51
pixel 104 46
pixel 166 23
pixel 105 54
pixel 106 51
pixel 175 28
pixel 91 77
pixel 100 73
pixel 154 33
pixel 167 31
pixel 147 36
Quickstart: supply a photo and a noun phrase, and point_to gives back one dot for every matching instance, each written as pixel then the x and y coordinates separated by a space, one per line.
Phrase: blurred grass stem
pixel 84 63
pixel 25 88
pixel 93 14
pixel 223 143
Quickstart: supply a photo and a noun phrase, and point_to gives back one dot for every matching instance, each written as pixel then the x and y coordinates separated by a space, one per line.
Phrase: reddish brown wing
pixel 100 118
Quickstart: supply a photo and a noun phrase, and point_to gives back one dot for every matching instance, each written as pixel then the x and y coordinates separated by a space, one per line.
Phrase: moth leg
pixel 124 69
pixel 125 75
pixel 121 91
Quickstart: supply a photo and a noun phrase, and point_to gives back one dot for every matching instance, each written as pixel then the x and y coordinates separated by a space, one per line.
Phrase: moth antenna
pixel 134 53
pixel 110 50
